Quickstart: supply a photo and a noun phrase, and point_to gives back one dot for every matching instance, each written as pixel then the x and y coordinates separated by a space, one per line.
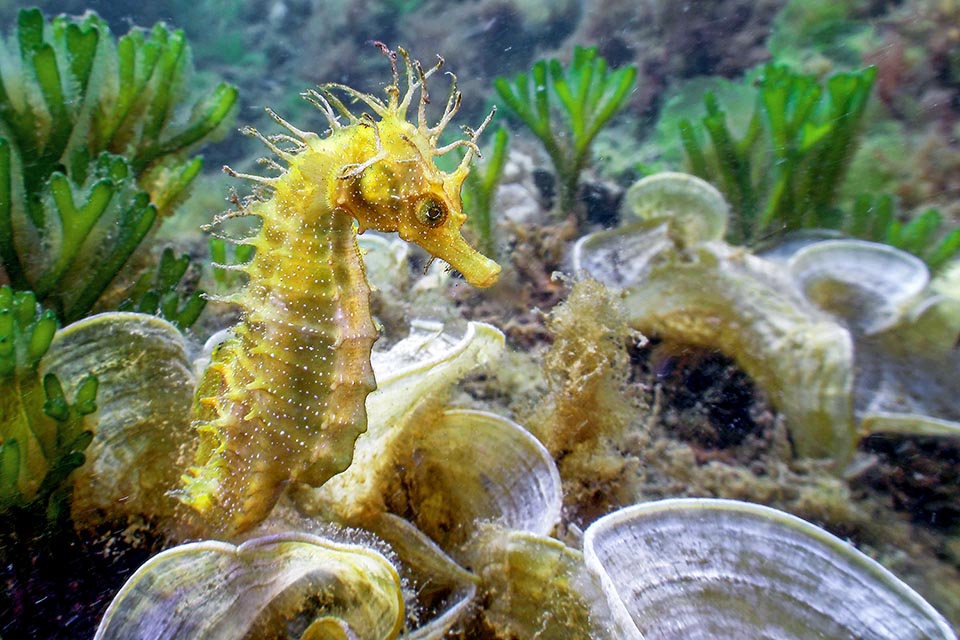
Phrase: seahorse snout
pixel 484 274
pixel 477 269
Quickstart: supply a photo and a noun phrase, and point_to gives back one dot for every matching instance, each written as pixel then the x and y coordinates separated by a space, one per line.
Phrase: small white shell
pixel 697 569
pixel 867 284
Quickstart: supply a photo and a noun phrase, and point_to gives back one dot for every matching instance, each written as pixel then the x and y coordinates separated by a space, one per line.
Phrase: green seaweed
pixel 94 137
pixel 42 434
pixel 587 96
pixel 479 190
pixel 224 256
pixel 158 293
pixel 685 102
pixel 785 170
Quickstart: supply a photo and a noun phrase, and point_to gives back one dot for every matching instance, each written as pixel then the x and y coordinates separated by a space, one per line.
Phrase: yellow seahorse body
pixel 283 399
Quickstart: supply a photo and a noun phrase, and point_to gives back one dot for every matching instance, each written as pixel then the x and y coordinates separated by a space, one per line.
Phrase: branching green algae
pixel 786 168
pixel 480 188
pixel 42 434
pixel 93 150
pixel 589 95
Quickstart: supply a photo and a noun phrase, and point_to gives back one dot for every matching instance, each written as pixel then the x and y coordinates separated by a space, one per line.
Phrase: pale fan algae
pixel 739 570
pixel 904 327
pixel 799 329
pixel 214 589
pixel 143 433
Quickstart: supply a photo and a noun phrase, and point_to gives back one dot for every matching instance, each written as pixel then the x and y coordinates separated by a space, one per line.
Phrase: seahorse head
pixel 394 183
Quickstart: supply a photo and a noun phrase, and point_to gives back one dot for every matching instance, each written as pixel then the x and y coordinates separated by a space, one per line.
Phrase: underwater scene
pixel 481 319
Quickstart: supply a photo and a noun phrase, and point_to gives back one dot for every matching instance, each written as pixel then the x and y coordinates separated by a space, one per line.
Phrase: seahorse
pixel 282 400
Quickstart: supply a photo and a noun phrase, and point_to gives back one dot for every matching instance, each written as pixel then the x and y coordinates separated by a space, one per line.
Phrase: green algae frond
pixel 785 170
pixel 588 95
pixel 94 144
pixel 42 434
pixel 479 190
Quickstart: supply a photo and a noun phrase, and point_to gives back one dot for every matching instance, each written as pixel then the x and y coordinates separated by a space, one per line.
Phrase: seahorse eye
pixel 431 212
